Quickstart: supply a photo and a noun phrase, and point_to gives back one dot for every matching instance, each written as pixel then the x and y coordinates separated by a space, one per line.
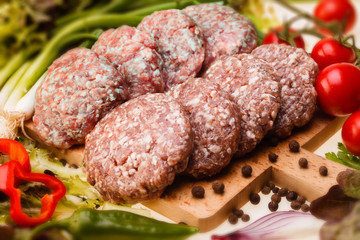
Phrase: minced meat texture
pixel 136 150
pixel 298 73
pixel 215 122
pixel 79 88
pixel 180 43
pixel 135 54
pixel 226 32
pixel 255 88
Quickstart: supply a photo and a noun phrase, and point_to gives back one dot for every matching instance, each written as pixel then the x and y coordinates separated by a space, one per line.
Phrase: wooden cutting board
pixel 178 204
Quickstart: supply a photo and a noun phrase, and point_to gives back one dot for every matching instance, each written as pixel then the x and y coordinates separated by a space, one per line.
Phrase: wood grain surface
pixel 178 204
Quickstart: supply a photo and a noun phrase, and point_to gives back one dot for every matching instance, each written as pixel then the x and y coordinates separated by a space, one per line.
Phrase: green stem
pixel 113 6
pixel 11 83
pixel 16 62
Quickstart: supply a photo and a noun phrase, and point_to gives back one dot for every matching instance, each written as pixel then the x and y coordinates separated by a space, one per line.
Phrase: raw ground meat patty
pixel 135 54
pixel 134 152
pixel 180 43
pixel 215 123
pixel 255 88
pixel 226 32
pixel 79 88
pixel 298 73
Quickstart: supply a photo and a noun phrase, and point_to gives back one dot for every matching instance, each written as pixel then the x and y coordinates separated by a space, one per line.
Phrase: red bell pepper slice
pixel 13 173
pixel 15 151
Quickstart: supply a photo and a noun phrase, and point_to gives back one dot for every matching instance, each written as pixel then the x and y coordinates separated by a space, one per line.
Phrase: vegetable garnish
pixel 89 224
pixel 17 170
pixel 272 226
pixel 344 157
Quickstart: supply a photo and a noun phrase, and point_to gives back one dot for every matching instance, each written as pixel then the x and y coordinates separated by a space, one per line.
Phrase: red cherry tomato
pixel 336 10
pixel 350 133
pixel 338 89
pixel 271 37
pixel 329 51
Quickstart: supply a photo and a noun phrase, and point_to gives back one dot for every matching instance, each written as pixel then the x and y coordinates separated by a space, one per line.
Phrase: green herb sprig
pixel 344 157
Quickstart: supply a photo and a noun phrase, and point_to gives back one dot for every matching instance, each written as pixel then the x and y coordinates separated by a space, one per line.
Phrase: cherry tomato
pixel 271 37
pixel 338 89
pixel 336 10
pixel 350 133
pixel 329 51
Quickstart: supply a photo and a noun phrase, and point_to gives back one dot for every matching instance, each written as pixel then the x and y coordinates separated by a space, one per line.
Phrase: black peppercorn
pixel 254 198
pixel 238 212
pixel 295 205
pixel 301 199
pixel 245 218
pixel 270 185
pixel 303 162
pixel 291 196
pixel 63 162
pixel 305 207
pixel 49 172
pixel 276 198
pixel 198 192
pixel 273 157
pixel 273 206
pixel 218 187
pixel 294 146
pixel 282 192
pixel 233 219
pixel 246 171
pixel 275 190
pixel 265 190
pixel 323 171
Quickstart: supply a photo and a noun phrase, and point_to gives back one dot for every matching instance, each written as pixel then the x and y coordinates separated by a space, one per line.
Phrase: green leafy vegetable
pixel 344 157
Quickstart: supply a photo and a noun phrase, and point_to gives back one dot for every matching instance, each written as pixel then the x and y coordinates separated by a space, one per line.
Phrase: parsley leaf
pixel 344 157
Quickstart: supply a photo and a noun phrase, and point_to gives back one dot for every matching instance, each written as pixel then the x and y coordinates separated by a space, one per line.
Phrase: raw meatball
pixel 135 54
pixel 255 88
pixel 135 151
pixel 79 88
pixel 215 122
pixel 298 73
pixel 226 32
pixel 180 43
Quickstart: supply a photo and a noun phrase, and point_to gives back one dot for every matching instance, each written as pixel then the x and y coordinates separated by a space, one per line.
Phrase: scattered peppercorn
pixel 246 171
pixel 270 185
pixel 245 218
pixel 273 141
pixel 294 146
pixel 275 190
pixel 238 212
pixel 305 207
pixel 233 219
pixel 273 206
pixel 63 162
pixel 265 190
pixel 218 187
pixel 291 196
pixel 295 205
pixel 303 162
pixel 198 192
pixel 49 172
pixel 323 171
pixel 276 198
pixel 301 199
pixel 74 166
pixel 254 198
pixel 282 192
pixel 272 157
